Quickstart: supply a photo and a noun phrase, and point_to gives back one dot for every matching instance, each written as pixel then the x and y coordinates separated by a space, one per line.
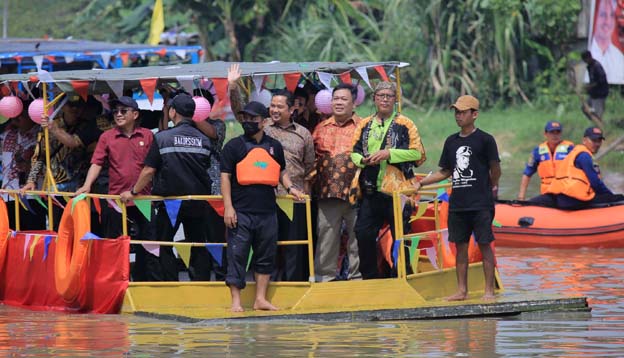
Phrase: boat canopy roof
pixel 112 80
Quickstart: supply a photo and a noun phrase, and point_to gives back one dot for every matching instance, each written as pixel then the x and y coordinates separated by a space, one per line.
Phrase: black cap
pixel 594 133
pixel 254 108
pixel 124 101
pixel 183 104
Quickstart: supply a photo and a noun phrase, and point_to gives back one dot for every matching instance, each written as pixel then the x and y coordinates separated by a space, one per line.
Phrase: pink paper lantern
pixel 202 108
pixel 323 101
pixel 359 99
pixel 35 110
pixel 11 106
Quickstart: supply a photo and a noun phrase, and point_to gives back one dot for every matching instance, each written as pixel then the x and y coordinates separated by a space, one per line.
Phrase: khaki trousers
pixel 331 213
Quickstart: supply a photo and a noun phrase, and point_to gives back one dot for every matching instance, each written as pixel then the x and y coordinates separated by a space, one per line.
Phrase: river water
pixel 593 273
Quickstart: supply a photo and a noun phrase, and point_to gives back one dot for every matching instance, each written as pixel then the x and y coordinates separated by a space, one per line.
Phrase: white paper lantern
pixel 202 108
pixel 35 110
pixel 323 101
pixel 264 97
pixel 11 106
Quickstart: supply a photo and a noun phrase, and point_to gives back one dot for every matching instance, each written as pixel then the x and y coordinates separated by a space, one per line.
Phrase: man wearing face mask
pixel 252 165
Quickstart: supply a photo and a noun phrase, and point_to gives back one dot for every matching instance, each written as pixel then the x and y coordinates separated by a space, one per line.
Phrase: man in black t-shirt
pixel 597 88
pixel 248 189
pixel 471 158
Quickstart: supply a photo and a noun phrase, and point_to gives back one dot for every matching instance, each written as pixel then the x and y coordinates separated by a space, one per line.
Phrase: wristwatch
pixel 133 192
pixel 288 189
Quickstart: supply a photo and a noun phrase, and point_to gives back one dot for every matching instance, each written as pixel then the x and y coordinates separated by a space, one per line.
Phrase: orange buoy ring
pixel 4 232
pixel 71 252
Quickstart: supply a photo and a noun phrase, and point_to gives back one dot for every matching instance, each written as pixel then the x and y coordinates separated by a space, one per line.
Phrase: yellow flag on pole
pixel 158 23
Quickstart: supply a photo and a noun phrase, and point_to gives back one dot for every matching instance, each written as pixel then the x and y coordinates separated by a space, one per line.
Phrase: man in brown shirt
pixel 333 140
pixel 299 153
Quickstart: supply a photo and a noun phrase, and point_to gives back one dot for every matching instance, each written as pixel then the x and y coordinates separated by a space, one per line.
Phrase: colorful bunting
pixel 153 249
pixel 38 61
pixel 185 253
pixel 125 56
pixel 404 199
pixel 56 202
pixel 286 205
pixel 69 58
pixel 90 236
pixel 395 252
pixel 26 204
pixel 106 56
pixel 432 254
pixel 76 200
pixel 216 251
pixel 187 82
pixel 325 78
pixel 495 223
pixel 249 258
pixel 181 53
pixel 46 245
pixel 258 82
pixel 149 86
pixel 51 58
pixel 217 205
pixel 45 76
pixel 221 86
pixel 32 246
pixel 173 207
pixel 27 238
pixel 422 207
pixel 145 207
pixel 382 73
pixel 414 247
pixel 81 88
pixel 116 87
pixel 364 75
pixel 345 77
pixel 162 52
pixel 292 80
pixel 98 208
pixel 113 204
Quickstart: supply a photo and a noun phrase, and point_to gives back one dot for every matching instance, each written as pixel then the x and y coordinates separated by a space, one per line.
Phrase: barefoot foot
pixel 264 305
pixel 459 296
pixel 237 308
pixel 489 297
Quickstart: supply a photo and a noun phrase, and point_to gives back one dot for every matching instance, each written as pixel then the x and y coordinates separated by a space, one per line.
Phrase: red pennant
pixel 98 208
pixel 292 80
pixel 82 88
pixel 382 73
pixel 149 86
pixel 5 91
pixel 200 53
pixel 15 86
pixel 124 57
pixel 18 59
pixel 221 86
pixel 346 77
pixel 162 52
pixel 217 205
pixel 51 58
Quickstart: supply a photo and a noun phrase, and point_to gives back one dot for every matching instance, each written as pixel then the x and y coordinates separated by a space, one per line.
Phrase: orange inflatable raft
pixel 523 225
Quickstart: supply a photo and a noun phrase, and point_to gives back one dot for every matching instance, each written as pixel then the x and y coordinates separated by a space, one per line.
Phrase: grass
pixel 517 130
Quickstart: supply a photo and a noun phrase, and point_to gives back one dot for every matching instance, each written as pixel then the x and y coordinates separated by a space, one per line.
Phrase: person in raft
pixel 252 165
pixel 471 157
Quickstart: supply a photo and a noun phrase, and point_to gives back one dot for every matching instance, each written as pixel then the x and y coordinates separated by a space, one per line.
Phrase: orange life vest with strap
pixel 547 167
pixel 570 180
pixel 258 167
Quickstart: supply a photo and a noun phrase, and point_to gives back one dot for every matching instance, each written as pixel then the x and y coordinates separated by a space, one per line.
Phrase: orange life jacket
pixel 258 167
pixel 570 180
pixel 548 164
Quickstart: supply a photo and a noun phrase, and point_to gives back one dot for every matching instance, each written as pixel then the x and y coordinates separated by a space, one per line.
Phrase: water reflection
pixel 595 273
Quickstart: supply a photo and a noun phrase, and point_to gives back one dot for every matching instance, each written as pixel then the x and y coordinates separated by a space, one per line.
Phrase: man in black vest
pixel 178 161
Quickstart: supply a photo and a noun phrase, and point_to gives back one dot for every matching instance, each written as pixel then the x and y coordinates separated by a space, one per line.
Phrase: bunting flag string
pixel 258 81
pixel 364 75
pixel 149 87
pixel 77 198
pixel 106 56
pixel 325 78
pixel 432 254
pixel 51 58
pixel 414 247
pixel 145 207
pixel 216 251
pixel 187 82
pixel 32 246
pixel 185 253
pixel 81 88
pixel 116 87
pixel 292 80
pixel 249 258
pixel 56 202
pixel 21 203
pixel 27 239
pixel 38 200
pixel 404 199
pixel 181 53
pixel 25 203
pixel 98 208
pixel 125 57
pixel 69 58
pixel 221 87
pixel 173 208
pixel 38 60
pixel 153 249
pixel 382 73
pixel 113 204
pixel 345 77
pixel 395 252
pixel 217 205
pixel 90 236
pixel 495 223
pixel 286 205
pixel 422 208
pixel 46 245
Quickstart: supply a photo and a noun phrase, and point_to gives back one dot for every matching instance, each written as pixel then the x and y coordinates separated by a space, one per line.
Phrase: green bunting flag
pixel 145 207
pixel 495 223
pixel 77 199
pixel 422 207
pixel 414 248
pixel 38 199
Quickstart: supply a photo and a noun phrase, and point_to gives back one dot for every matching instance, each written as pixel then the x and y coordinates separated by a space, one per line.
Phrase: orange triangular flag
pixel 149 86
pixel 124 57
pixel 51 58
pixel 221 86
pixel 18 59
pixel 346 77
pixel 162 52
pixel 82 88
pixel 292 80
pixel 382 72
pixel 98 207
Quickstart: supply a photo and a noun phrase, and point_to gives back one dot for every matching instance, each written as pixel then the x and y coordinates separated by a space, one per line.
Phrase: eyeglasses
pixel 385 96
pixel 123 111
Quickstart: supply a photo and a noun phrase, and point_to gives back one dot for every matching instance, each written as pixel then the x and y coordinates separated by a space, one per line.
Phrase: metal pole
pixel 397 74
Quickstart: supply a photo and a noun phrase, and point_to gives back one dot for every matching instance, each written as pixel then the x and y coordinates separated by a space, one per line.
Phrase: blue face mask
pixel 250 128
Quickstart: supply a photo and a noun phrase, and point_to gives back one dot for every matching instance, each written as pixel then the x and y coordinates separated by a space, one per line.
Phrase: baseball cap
pixel 466 102
pixel 594 133
pixel 183 104
pixel 124 101
pixel 553 126
pixel 254 108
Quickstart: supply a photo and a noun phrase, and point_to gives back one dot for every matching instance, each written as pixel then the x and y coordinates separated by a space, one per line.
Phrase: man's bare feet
pixel 488 297
pixel 459 296
pixel 237 308
pixel 264 305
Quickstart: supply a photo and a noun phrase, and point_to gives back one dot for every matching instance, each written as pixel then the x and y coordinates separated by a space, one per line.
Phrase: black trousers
pixel 374 211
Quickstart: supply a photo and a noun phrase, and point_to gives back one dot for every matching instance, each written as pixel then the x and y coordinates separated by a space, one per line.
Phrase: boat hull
pixel 559 229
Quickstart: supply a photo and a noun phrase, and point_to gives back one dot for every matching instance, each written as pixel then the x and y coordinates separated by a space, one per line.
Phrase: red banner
pixel 29 282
